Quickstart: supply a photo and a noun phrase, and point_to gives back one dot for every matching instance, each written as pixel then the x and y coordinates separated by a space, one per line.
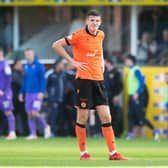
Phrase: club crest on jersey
pixel 83 104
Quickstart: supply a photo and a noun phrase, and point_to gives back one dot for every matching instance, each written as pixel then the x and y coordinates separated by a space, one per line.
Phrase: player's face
pixel 108 65
pixel 128 62
pixel 19 66
pixel 29 55
pixel 60 67
pixel 93 23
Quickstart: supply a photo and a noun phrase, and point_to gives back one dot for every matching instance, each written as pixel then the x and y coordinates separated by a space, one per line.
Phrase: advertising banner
pixel 155 81
pixel 80 2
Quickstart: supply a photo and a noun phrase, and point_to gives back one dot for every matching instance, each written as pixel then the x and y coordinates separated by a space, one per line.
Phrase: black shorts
pixel 90 93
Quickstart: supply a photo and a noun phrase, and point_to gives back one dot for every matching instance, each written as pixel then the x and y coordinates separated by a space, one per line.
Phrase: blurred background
pixel 139 30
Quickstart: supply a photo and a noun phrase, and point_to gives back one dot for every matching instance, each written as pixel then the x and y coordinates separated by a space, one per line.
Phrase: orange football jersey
pixel 89 49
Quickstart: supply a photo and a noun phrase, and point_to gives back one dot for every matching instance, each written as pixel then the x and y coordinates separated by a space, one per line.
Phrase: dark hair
pixel 109 60
pixel 131 57
pixel 57 61
pixel 16 61
pixel 93 13
pixel 29 49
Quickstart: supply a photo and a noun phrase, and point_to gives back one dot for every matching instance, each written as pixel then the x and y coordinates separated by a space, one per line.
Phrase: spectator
pixel 69 100
pixel 163 44
pixel 55 91
pixel 135 82
pixel 6 104
pixel 146 49
pixel 163 57
pixel 19 110
pixel 114 87
pixel 32 92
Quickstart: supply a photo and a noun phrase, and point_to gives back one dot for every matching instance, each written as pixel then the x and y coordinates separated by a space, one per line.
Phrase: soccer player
pixel 32 90
pixel 6 104
pixel 89 63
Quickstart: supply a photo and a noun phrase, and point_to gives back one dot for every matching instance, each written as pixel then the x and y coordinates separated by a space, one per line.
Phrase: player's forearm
pixel 59 48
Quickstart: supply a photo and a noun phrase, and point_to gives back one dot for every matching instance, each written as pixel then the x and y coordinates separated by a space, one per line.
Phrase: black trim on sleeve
pixel 67 41
pixel 106 125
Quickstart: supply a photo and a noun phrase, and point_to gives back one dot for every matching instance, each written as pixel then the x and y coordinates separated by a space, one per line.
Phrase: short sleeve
pixel 72 39
pixel 103 35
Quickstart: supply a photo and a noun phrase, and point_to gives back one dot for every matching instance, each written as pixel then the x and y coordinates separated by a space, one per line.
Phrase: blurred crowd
pixel 58 105
pixel 152 52
pixel 58 112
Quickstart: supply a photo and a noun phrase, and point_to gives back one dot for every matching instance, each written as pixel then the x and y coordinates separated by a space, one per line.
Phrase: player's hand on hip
pixel 41 96
pixel 21 98
pixel 1 93
pixel 80 65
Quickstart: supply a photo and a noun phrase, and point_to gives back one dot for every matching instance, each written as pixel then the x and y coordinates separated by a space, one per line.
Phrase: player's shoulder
pixel 101 33
pixel 79 32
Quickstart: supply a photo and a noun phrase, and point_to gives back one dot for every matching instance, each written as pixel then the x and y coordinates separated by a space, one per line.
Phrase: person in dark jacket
pixel 69 100
pixel 19 110
pixel 55 91
pixel 114 87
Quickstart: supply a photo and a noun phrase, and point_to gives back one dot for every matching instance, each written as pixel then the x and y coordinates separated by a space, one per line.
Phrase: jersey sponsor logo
pixel 92 54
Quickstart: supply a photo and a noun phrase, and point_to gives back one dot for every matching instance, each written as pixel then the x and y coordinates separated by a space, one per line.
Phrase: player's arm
pixel 140 78
pixel 59 47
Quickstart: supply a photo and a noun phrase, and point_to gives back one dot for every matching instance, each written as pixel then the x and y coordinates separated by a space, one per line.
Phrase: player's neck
pixel 92 33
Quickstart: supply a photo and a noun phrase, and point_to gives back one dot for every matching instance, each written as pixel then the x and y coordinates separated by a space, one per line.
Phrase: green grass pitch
pixel 63 152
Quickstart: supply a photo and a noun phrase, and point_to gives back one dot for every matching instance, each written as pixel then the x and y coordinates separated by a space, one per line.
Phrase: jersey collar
pixel 87 31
